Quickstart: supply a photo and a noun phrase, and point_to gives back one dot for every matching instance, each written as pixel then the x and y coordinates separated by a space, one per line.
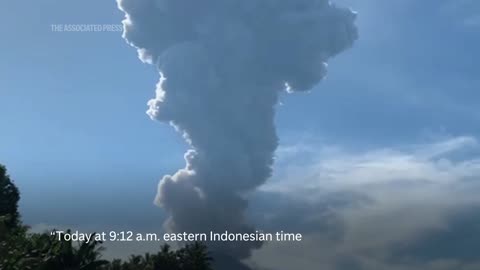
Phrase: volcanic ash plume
pixel 223 64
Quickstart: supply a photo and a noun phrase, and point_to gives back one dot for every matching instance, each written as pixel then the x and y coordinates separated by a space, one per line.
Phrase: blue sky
pixel 72 105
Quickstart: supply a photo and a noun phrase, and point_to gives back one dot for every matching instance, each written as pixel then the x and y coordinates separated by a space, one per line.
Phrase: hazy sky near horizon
pixel 403 101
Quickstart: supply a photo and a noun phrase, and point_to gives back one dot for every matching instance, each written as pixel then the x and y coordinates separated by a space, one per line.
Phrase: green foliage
pixel 20 250
pixel 191 257
pixel 9 197
pixel 44 252
pixel 194 257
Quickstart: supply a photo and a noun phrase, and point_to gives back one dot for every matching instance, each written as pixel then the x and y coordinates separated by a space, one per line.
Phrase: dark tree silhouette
pixel 194 257
pixel 191 257
pixel 9 197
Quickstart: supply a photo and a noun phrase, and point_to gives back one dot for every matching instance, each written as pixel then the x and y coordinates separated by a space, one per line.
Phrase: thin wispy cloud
pixel 386 208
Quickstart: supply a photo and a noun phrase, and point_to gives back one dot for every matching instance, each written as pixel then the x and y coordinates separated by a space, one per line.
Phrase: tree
pixel 22 250
pixel 9 197
pixel 12 234
pixel 59 255
pixel 194 257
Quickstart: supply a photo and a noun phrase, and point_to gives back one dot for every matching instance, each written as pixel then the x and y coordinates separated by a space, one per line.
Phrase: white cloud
pixel 333 168
pixel 412 192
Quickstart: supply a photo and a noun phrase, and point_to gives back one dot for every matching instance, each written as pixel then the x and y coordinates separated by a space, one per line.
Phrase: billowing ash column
pixel 223 64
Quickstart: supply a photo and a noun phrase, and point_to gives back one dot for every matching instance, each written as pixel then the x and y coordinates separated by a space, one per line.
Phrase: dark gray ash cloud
pixel 223 64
